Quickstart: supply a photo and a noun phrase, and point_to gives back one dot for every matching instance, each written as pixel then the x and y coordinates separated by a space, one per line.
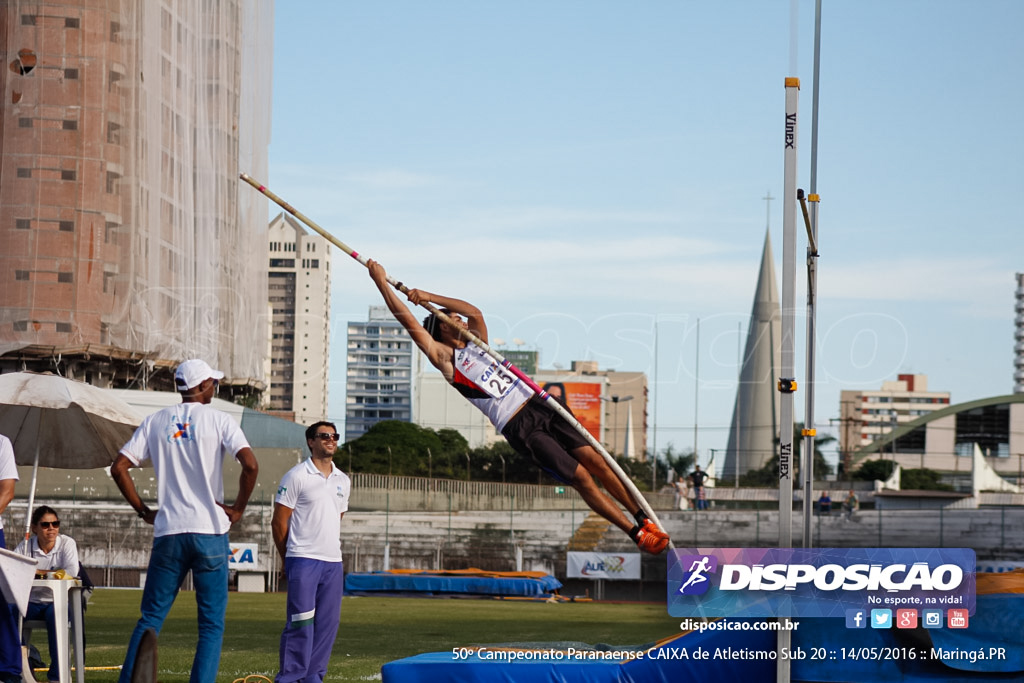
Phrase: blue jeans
pixel 206 555
pixel 10 639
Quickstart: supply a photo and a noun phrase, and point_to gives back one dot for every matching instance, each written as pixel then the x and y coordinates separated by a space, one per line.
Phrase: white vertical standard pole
pixel 787 383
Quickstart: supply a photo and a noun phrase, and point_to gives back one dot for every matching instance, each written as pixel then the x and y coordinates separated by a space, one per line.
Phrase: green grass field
pixel 373 631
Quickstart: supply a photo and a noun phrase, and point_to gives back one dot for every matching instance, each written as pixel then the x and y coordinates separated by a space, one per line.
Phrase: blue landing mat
pixel 488 583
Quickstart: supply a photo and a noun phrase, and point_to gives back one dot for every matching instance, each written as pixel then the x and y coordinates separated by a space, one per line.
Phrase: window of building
pixel 23 223
pixel 112 184
pixel 28 20
pixel 63 327
pixel 65 277
pixel 68 124
pixel 113 133
pixel 21 275
pixel 71 22
pixel 66 226
pixel 24 122
pixel 68 174
pixel 24 172
pixel 20 325
pixel 71 74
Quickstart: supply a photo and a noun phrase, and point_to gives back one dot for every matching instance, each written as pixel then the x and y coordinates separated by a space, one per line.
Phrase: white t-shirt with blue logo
pixel 317 503
pixel 187 444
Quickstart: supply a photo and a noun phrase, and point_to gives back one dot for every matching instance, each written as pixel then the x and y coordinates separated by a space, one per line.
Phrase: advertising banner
pixel 243 556
pixel 817 582
pixel 583 399
pixel 615 566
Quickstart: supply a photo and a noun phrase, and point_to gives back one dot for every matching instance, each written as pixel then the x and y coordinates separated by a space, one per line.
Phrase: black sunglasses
pixel 323 436
pixel 47 525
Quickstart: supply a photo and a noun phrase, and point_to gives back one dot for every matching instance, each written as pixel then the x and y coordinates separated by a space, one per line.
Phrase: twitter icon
pixel 881 618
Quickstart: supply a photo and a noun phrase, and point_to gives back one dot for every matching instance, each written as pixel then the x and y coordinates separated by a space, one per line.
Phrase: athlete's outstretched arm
pixel 438 354
pixel 474 318
pixel 401 312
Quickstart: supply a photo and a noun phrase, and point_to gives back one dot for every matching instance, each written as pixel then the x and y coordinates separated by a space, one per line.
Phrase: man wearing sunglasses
pixel 308 508
pixel 10 639
pixel 186 444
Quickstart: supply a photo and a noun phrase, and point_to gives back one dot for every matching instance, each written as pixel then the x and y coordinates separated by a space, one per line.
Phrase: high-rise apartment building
pixel 867 416
pixel 127 242
pixel 299 292
pixel 379 373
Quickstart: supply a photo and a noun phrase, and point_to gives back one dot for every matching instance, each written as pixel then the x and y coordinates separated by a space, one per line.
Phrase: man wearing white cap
pixel 187 444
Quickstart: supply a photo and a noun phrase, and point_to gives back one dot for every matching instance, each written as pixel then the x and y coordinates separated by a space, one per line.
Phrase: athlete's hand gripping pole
pixel 469 336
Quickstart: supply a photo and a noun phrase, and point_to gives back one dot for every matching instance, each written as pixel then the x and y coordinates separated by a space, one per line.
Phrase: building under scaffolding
pixel 126 241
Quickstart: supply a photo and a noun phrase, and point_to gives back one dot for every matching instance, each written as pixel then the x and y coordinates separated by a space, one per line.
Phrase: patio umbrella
pixel 57 422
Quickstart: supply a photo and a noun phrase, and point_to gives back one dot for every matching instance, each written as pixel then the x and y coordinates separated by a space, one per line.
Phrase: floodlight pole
pixel 811 222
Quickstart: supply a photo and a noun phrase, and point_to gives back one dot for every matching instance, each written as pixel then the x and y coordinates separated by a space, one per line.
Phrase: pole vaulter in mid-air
pixel 533 423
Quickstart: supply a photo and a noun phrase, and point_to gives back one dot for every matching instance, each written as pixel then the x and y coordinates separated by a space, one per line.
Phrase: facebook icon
pixel 856 618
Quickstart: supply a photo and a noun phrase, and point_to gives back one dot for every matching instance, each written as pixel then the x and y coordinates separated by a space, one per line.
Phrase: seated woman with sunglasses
pixel 51 551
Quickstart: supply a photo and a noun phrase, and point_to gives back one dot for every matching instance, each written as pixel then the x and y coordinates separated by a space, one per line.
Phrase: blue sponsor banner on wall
pixel 817 582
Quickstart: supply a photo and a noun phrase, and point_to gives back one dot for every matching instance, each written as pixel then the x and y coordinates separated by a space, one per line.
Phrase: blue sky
pixel 590 172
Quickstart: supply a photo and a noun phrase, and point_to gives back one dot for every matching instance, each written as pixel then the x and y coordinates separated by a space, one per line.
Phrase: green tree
pixel 669 464
pixel 922 479
pixel 488 463
pixel 870 470
pixel 403 448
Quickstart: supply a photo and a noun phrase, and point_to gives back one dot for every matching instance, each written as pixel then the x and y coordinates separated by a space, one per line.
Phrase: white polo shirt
pixel 8 468
pixel 317 503
pixel 63 555
pixel 187 444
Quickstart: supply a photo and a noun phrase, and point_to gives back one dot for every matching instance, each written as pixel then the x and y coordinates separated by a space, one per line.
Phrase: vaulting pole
pixel 469 336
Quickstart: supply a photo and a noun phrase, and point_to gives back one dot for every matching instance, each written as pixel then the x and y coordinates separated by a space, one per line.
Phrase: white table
pixel 67 592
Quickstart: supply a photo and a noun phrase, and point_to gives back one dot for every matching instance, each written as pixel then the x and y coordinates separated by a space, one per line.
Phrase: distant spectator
pixel 851 505
pixel 697 478
pixel 679 488
pixel 824 504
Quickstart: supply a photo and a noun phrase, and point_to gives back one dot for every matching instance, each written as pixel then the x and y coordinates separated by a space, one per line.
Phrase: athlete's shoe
pixel 650 538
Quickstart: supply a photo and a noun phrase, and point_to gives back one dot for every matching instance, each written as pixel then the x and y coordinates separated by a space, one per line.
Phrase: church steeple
pixel 754 428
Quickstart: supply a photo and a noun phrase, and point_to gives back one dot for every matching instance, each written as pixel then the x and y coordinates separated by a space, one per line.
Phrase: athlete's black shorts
pixel 539 432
